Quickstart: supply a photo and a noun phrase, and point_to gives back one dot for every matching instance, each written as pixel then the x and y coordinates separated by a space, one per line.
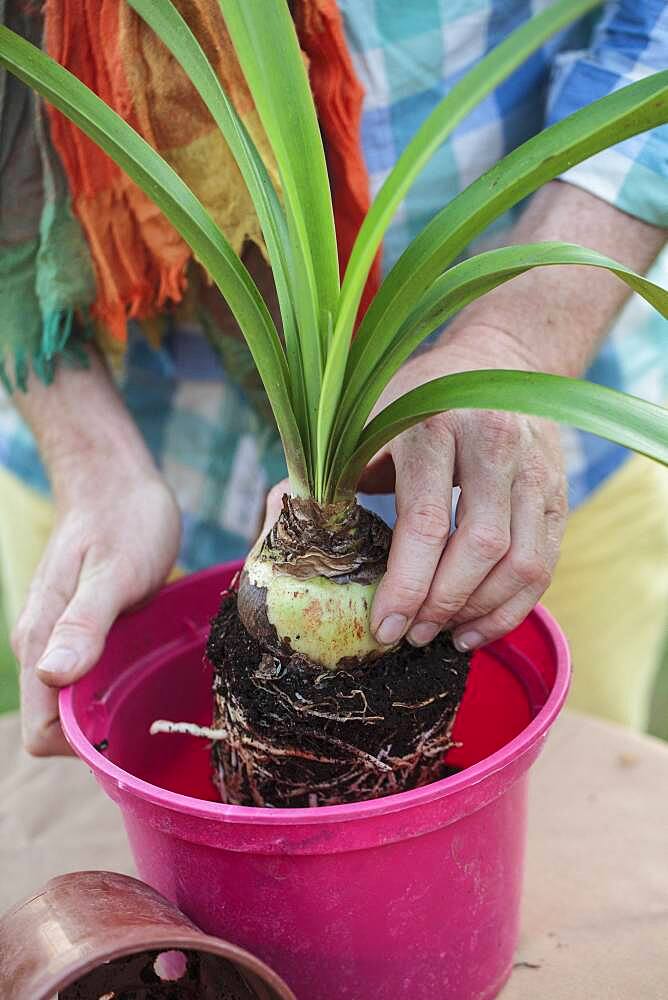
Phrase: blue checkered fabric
pixel 204 433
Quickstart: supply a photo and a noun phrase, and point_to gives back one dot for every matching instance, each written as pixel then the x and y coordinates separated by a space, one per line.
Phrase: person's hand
pixel 486 578
pixel 115 540
pixel 482 581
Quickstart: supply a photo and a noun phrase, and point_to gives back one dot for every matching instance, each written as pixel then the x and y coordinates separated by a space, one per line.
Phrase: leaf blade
pixel 632 109
pixel 466 94
pixel 373 361
pixel 175 33
pixel 150 172
pixel 266 44
pixel 623 419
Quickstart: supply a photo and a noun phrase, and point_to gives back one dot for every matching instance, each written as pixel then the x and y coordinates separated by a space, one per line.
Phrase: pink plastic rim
pixel 511 751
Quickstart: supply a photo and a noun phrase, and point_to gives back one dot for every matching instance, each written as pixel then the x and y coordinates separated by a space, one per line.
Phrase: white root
pixel 188 728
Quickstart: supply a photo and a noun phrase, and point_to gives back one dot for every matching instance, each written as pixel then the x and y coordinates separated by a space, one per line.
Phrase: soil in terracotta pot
pixel 295 734
pixel 135 977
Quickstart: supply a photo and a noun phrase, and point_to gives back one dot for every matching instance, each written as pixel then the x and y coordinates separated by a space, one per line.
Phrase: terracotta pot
pixel 61 939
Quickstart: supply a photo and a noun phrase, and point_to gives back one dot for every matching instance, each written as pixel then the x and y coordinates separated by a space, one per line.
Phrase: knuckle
pixel 558 506
pixel 439 426
pixel 120 572
pixel 543 579
pixel 541 582
pixel 26 636
pixel 500 623
pixel 470 611
pixel 535 475
pixel 441 606
pixel 489 542
pixel 82 624
pixel 501 432
pixel 128 577
pixel 505 619
pixel 428 520
pixel 529 570
pixel 409 593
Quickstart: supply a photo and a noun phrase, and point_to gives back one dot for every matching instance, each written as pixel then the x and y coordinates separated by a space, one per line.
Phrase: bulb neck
pixel 342 542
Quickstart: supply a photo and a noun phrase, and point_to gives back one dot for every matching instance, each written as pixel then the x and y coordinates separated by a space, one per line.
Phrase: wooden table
pixel 595 918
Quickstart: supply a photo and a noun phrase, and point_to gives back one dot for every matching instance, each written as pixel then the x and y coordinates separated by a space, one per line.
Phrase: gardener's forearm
pixel 80 423
pixel 557 317
pixel 484 580
pixel 114 541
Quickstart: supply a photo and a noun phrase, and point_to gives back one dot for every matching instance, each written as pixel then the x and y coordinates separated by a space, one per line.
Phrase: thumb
pixel 40 723
pixel 78 637
pixel 274 505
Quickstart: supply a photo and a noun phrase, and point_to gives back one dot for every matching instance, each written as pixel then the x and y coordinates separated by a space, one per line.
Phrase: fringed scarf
pixel 46 274
pixel 78 237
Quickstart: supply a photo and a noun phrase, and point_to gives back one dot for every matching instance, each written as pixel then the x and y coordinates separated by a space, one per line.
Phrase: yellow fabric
pixel 609 594
pixel 26 520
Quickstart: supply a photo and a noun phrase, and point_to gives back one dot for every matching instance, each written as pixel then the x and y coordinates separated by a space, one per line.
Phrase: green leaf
pixel 467 93
pixel 166 189
pixel 626 112
pixel 614 415
pixel 174 32
pixel 375 357
pixel 266 44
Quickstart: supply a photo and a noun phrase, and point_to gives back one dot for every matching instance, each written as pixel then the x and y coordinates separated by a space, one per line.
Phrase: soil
pixel 298 735
pixel 207 977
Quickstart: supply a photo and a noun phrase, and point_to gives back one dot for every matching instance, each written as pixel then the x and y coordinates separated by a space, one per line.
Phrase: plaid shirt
pixel 214 449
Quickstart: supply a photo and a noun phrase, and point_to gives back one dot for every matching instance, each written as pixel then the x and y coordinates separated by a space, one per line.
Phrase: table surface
pixel 595 912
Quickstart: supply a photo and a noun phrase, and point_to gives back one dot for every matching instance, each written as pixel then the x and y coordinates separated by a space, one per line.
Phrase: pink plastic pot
pixel 412 896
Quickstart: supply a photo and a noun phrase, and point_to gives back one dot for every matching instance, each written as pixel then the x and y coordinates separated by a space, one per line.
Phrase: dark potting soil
pixel 299 735
pixel 206 977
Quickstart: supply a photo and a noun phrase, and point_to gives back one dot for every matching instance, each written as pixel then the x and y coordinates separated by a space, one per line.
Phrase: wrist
pixel 530 331
pixel 84 466
pixel 86 436
pixel 488 343
pixel 557 317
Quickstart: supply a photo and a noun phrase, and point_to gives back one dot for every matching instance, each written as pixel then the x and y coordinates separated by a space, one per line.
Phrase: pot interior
pixel 506 689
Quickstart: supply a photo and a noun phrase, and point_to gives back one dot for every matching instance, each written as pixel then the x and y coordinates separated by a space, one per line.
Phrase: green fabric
pixel 46 273
pixel 20 318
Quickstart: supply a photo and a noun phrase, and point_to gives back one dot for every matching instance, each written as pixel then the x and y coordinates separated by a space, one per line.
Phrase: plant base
pixel 298 735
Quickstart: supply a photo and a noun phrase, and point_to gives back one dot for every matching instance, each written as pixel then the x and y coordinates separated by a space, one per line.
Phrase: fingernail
pixel 391 629
pixel 422 633
pixel 467 641
pixel 58 662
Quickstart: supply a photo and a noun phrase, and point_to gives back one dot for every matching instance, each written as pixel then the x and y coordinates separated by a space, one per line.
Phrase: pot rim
pixel 176 941
pixel 292 816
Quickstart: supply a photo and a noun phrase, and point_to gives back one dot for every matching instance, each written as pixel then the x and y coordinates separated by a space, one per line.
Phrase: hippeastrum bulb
pixel 307 588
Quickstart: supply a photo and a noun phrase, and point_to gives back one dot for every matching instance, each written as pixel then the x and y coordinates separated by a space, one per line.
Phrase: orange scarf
pixel 140 261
